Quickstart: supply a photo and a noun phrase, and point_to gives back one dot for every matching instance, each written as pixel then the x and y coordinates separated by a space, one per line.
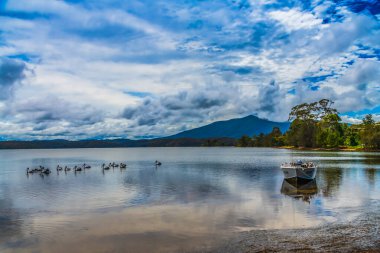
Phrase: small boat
pixel 299 170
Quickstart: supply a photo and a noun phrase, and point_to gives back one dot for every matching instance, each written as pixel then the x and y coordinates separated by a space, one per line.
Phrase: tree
pixel 368 120
pixel 314 111
pixel 259 141
pixel 370 134
pixel 305 130
pixel 367 133
pixel 376 138
pixel 276 138
pixel 351 136
pixel 244 141
pixel 330 132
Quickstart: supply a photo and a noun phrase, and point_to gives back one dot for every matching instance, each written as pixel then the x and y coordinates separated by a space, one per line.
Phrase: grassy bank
pixel 344 148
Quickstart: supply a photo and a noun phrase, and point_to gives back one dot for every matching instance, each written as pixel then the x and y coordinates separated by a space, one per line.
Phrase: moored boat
pixel 299 170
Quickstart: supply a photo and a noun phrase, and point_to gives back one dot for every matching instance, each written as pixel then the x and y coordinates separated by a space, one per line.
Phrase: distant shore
pixel 159 142
pixel 118 143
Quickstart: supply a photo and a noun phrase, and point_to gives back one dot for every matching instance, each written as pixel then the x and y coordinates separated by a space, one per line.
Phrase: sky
pixel 82 69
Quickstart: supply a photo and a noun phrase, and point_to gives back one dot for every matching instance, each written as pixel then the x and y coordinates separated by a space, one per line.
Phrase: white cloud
pixel 350 120
pixel 294 19
pixel 339 37
pixel 86 60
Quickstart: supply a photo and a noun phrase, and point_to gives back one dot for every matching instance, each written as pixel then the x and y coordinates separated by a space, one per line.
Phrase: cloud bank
pixel 105 69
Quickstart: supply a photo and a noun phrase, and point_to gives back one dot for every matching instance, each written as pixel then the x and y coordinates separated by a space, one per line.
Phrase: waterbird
pixel 46 171
pixel 59 168
pixel 36 170
pixel 158 163
pixel 86 166
pixel 104 167
pixel 77 168
pixel 29 171
pixel 67 168
pixel 113 165
pixel 123 166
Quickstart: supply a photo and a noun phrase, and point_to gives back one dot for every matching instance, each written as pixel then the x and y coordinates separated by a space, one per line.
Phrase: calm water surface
pixel 198 197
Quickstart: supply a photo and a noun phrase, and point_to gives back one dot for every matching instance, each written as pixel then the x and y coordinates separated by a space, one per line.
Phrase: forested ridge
pixel 318 125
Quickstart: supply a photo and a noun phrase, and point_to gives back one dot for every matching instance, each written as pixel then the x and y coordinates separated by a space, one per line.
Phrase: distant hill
pixel 119 143
pixel 233 128
pixel 220 133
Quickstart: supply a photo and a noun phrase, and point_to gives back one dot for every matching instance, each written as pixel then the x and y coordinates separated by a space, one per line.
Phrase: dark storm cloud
pixel 52 111
pixel 11 73
pixel 204 102
pixel 239 70
pixel 269 97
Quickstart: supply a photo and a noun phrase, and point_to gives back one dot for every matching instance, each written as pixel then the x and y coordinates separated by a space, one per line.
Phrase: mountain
pixel 220 133
pixel 233 128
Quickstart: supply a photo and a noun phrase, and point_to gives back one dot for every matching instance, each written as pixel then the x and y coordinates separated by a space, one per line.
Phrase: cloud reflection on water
pixel 196 198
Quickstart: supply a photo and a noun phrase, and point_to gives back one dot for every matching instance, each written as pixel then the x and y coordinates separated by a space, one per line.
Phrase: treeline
pixel 318 125
pixel 118 143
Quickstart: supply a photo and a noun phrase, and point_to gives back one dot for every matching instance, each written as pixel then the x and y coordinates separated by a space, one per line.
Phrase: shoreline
pixel 346 149
pixel 116 147
pixel 358 235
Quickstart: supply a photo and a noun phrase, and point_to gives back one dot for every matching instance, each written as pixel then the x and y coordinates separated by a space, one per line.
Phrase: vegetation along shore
pixel 314 126
pixel 318 126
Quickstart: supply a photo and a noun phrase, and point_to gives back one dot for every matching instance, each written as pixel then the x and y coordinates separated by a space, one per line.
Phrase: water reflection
pixel 167 185
pixel 11 220
pixel 197 197
pixel 332 179
pixel 371 175
pixel 303 190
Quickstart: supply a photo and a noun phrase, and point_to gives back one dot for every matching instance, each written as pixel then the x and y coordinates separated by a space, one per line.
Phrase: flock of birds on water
pixel 42 170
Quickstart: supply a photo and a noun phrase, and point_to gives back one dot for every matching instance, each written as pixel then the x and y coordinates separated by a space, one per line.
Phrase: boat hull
pixel 300 174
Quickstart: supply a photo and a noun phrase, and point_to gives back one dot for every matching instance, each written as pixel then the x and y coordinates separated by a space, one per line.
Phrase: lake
pixel 197 198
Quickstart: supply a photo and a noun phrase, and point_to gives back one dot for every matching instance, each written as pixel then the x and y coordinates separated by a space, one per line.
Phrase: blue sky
pixel 100 69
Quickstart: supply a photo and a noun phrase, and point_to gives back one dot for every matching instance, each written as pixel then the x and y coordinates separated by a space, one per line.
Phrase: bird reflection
pixel 304 190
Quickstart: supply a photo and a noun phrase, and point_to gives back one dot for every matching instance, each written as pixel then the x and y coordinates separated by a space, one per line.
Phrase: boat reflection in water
pixel 304 190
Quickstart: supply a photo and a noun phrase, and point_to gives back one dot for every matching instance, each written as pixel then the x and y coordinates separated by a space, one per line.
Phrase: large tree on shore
pixel 370 133
pixel 304 127
pixel 330 132
pixel 314 111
